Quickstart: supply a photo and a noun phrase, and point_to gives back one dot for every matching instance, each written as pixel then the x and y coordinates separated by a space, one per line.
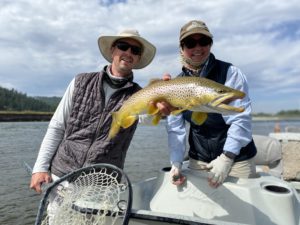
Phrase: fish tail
pixel 115 126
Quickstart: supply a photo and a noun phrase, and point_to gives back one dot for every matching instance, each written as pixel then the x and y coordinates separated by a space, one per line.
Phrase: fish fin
pixel 186 107
pixel 115 126
pixel 192 103
pixel 153 81
pixel 152 109
pixel 199 117
pixel 177 111
pixel 128 121
pixel 156 119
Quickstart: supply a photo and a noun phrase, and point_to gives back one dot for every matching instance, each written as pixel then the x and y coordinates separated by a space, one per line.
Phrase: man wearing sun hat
pixel 77 134
pixel 223 144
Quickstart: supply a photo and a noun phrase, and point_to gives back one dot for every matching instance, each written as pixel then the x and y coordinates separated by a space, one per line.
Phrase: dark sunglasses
pixel 124 46
pixel 191 42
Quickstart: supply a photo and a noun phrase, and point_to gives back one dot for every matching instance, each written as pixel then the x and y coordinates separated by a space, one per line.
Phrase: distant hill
pixel 284 113
pixel 12 100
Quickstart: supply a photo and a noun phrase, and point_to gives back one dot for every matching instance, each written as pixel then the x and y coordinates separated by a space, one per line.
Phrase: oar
pixel 28 168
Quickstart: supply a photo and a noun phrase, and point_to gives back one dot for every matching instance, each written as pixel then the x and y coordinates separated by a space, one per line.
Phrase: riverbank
pixel 15 116
pixel 24 116
pixel 275 118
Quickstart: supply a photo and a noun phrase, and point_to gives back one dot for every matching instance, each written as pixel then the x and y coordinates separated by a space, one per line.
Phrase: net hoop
pixel 123 206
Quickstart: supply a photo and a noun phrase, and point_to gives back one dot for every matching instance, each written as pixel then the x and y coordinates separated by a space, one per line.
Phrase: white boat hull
pixel 263 200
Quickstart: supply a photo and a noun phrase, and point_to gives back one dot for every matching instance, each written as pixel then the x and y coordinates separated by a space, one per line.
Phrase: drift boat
pixel 96 194
pixel 263 200
pixel 267 199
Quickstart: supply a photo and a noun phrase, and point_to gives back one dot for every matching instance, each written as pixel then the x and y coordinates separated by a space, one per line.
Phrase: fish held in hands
pixel 199 95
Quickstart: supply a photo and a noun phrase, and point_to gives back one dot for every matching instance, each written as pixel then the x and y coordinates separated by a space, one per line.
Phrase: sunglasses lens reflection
pixel 192 43
pixel 124 46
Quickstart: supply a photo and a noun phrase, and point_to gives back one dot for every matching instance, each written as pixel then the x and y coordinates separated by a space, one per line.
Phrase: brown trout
pixel 199 95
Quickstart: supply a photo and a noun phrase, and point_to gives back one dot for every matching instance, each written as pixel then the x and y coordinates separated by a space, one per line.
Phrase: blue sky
pixel 44 44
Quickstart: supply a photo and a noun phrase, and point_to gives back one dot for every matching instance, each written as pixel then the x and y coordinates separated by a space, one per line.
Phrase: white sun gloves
pixel 220 168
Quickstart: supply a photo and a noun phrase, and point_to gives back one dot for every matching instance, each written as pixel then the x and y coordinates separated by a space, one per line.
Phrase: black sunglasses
pixel 191 42
pixel 124 46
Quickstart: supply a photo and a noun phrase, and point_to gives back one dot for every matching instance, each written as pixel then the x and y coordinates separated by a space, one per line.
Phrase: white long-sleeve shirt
pixel 240 130
pixel 57 126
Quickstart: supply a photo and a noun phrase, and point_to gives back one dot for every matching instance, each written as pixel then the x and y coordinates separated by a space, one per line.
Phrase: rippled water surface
pixel 20 141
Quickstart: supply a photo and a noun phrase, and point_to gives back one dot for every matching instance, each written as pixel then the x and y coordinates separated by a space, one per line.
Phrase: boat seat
pixel 269 153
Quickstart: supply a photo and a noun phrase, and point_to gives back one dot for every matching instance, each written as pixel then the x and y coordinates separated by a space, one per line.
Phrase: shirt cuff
pixel 40 169
pixel 232 145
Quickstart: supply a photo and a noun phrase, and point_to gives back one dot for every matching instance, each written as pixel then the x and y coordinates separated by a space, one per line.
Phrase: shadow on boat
pixel 263 200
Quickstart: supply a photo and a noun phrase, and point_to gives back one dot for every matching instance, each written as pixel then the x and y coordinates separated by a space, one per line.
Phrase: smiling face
pixel 123 61
pixel 199 52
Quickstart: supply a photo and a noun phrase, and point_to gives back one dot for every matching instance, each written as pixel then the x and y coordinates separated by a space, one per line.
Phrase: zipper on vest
pixel 97 133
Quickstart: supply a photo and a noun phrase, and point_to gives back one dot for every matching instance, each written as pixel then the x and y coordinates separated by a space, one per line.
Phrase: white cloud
pixel 44 44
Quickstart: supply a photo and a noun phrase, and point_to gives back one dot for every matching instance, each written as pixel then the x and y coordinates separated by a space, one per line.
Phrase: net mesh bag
pixel 99 194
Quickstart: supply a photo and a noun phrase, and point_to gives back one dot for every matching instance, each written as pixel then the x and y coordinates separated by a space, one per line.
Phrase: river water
pixel 20 141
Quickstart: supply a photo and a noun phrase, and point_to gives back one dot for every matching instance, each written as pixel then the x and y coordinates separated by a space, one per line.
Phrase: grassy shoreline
pixel 16 116
pixel 10 116
pixel 275 118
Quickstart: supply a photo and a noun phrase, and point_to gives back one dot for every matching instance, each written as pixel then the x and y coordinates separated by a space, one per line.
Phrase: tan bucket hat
pixel 148 50
pixel 194 27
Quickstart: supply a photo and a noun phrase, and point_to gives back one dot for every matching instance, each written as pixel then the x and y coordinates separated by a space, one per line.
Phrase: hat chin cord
pixel 189 64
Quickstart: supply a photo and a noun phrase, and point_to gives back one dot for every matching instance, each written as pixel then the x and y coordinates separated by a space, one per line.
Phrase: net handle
pixel 77 172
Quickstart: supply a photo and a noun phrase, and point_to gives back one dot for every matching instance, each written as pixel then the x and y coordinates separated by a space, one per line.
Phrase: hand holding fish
pixel 164 107
pixel 166 76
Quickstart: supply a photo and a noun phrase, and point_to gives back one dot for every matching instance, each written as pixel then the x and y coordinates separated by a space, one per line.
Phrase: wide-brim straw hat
pixel 148 50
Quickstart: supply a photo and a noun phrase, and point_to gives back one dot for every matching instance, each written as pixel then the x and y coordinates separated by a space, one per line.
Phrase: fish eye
pixel 221 91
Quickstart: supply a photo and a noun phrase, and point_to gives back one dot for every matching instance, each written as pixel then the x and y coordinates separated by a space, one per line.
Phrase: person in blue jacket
pixel 223 144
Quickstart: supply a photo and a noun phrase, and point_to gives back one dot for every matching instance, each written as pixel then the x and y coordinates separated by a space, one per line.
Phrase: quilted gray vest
pixel 85 141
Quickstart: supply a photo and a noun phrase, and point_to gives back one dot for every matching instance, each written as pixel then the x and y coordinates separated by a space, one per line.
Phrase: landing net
pixel 99 194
